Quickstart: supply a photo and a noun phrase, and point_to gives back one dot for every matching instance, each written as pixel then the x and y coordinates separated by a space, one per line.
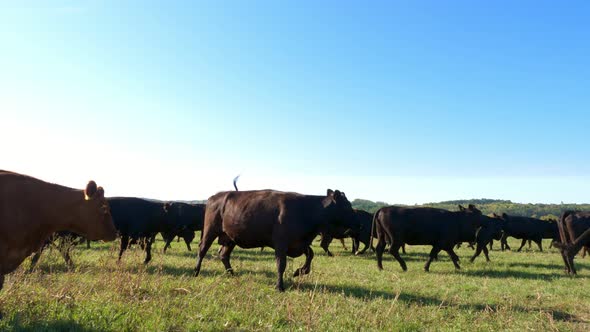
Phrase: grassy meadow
pixel 516 291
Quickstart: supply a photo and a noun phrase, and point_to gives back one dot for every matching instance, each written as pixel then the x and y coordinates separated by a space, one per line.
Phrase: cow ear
pixel 100 192
pixel 471 207
pixel 461 208
pixel 330 192
pixel 90 190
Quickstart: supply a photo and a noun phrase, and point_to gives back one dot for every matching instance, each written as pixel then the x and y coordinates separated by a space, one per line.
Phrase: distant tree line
pixel 488 206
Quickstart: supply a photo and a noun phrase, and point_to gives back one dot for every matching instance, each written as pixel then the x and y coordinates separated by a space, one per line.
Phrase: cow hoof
pixel 230 271
pixel 280 289
pixel 330 254
pixel 300 271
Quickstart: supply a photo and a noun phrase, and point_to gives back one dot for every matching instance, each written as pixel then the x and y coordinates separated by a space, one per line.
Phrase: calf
pixel 184 220
pixel 574 233
pixel 287 222
pixel 31 210
pixel 138 221
pixel 439 228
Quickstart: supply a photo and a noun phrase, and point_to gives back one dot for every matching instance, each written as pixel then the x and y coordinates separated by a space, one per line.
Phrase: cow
pixel 185 219
pixel 64 241
pixel 439 228
pixel 285 221
pixel 527 229
pixel 342 233
pixel 574 233
pixel 364 220
pixel 31 210
pixel 138 221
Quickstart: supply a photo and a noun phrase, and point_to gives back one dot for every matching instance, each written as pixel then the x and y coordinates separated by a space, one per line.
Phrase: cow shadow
pixel 537 265
pixel 507 274
pixel 57 325
pixel 366 294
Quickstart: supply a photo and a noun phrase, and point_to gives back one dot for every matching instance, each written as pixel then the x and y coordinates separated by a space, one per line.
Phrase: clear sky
pixel 397 101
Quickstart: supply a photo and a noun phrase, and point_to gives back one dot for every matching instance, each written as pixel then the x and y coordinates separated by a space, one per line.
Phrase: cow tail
pixel 562 227
pixel 373 228
pixel 235 182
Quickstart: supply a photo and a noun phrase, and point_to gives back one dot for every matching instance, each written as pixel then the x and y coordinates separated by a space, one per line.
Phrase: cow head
pixel 474 215
pixel 339 209
pixel 497 224
pixel 95 215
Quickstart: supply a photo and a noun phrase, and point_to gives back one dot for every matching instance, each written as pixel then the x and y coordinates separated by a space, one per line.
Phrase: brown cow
pixel 574 233
pixel 287 222
pixel 32 210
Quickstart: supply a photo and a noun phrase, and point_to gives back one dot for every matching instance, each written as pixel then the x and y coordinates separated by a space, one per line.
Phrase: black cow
pixel 138 221
pixel 527 229
pixel 287 222
pixel 439 228
pixel 364 220
pixel 574 233
pixel 184 219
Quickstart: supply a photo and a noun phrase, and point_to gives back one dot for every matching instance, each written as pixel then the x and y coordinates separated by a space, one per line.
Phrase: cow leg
pixel 355 245
pixel 504 242
pixel 491 244
pixel 343 244
pixel 404 248
pixel 168 241
pixel 281 259
pixel 35 259
pixel 454 257
pixel 1 283
pixel 477 252
pixel 485 252
pixel 148 250
pixel 362 251
pixel 188 244
pixel 325 244
pixel 529 244
pixel 124 245
pixel 65 245
pixel 379 252
pixel 522 245
pixel 65 253
pixel 306 268
pixel 433 255
pixel 394 250
pixel 226 250
pixel 570 259
pixel 207 239
pixel 566 261
pixel 87 244
pixel 540 244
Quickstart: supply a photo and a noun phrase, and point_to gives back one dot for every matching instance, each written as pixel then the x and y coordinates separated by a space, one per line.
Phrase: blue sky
pixel 398 101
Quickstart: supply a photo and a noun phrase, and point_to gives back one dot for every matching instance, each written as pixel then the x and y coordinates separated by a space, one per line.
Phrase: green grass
pixel 516 291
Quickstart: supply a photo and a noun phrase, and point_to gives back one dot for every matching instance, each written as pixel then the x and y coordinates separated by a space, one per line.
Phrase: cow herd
pixel 34 214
